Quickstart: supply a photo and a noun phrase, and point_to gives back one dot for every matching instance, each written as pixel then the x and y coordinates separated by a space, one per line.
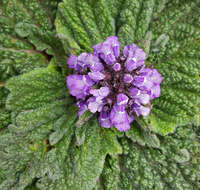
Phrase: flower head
pixel 113 84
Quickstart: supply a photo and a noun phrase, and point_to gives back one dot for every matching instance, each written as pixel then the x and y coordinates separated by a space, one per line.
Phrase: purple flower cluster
pixel 113 84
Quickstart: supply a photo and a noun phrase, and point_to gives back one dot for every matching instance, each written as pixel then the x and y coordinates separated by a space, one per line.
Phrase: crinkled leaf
pixel 81 166
pixel 111 171
pixel 175 165
pixel 81 24
pixel 40 107
pixel 43 124
pixel 4 113
pixel 175 53
pixel 27 36
pixel 143 137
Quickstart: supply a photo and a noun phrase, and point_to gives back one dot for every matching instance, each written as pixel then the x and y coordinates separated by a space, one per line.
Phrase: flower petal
pixel 104 118
pixel 128 78
pixel 79 85
pixel 95 104
pixel 119 119
pixel 135 57
pixel 72 61
pixel 82 107
pixel 93 63
pixel 122 99
pixel 141 110
pixel 96 76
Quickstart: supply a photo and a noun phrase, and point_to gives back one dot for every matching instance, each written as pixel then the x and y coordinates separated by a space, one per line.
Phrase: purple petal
pixel 106 53
pixel 115 44
pixel 93 63
pixel 104 119
pixel 131 64
pixel 141 110
pixel 155 91
pixel 110 58
pixel 145 72
pixel 138 80
pixel 82 60
pixel 144 99
pixel 134 92
pixel 140 55
pixel 79 85
pixel 82 107
pixel 122 99
pixel 129 50
pixel 156 77
pixel 95 104
pixel 135 57
pixel 96 76
pixel 108 50
pixel 128 78
pixel 119 119
pixel 130 118
pixel 102 92
pixel 139 96
pixel 72 61
pixel 116 67
pixel 88 80
pixel 97 47
pixel 144 83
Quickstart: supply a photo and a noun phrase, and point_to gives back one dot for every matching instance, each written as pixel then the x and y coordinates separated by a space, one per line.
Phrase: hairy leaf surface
pixel 27 36
pixel 39 144
pixel 175 165
pixel 27 41
pixel 42 143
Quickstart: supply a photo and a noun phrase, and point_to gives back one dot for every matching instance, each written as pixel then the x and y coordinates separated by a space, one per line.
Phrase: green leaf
pixel 39 144
pixel 27 39
pixel 175 165
pixel 175 53
pixel 76 171
pixel 143 137
pixel 40 107
pixel 27 36
pixel 81 24
pixel 4 113
pixel 111 173
pixel 1 176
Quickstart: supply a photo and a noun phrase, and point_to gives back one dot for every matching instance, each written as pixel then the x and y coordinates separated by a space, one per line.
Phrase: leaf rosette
pixel 47 147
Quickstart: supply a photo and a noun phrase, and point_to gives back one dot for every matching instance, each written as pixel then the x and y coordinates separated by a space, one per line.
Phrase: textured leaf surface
pixel 27 35
pixel 4 113
pixel 175 165
pixel 169 33
pixel 143 137
pixel 43 124
pixel 37 112
pixel 81 166
pixel 178 61
pixel 46 147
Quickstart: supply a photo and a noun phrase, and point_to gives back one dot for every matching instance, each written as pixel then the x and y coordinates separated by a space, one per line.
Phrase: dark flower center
pixel 114 80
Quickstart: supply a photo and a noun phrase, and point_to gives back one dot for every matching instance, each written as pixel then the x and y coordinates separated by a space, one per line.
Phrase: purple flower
pixel 79 85
pixel 119 118
pixel 96 76
pixel 114 85
pixel 82 107
pixel 104 118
